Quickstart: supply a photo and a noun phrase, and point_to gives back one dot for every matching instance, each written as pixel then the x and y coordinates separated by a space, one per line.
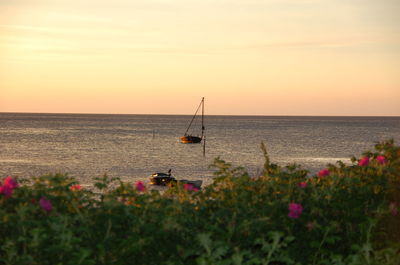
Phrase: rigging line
pixel 190 124
pixel 195 126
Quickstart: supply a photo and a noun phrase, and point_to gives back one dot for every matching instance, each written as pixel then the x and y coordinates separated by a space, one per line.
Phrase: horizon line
pixel 240 115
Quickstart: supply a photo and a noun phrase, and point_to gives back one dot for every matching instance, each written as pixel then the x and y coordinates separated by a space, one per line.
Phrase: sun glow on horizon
pixel 303 57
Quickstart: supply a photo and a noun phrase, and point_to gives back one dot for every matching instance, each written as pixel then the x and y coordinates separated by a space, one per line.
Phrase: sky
pixel 246 57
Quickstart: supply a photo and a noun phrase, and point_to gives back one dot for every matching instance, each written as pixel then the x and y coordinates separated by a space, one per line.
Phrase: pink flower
pixel 295 210
pixel 393 209
pixel 46 204
pixel 140 186
pixel 302 184
pixel 75 187
pixel 323 173
pixel 6 191
pixel 364 161
pixel 190 187
pixel 381 160
pixel 10 182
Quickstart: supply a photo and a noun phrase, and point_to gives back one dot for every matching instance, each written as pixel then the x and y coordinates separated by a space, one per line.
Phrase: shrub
pixel 345 214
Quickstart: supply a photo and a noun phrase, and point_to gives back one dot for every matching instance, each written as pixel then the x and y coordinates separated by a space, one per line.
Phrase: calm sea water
pixel 134 146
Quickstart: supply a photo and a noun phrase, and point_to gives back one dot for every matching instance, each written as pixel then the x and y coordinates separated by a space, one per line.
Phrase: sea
pixel 132 147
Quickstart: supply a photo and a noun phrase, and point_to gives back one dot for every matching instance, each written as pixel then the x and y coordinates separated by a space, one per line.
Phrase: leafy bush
pixel 345 214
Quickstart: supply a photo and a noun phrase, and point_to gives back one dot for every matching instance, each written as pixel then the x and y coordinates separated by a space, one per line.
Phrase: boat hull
pixel 189 139
pixel 161 179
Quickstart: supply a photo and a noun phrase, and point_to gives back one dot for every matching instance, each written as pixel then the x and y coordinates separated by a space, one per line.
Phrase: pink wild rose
pixel 46 204
pixel 140 186
pixel 295 210
pixel 302 184
pixel 323 173
pixel 381 160
pixel 10 182
pixel 6 191
pixel 190 187
pixel 75 187
pixel 364 161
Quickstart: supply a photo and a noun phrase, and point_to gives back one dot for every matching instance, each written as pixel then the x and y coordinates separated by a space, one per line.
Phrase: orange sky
pixel 261 57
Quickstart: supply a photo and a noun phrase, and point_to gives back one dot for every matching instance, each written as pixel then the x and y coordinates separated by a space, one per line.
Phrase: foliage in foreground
pixel 346 214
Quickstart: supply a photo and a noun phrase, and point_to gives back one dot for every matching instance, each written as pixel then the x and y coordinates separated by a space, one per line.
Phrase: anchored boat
pixel 189 138
pixel 164 179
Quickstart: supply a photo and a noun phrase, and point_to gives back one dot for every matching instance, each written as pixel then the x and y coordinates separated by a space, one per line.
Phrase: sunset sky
pixel 246 57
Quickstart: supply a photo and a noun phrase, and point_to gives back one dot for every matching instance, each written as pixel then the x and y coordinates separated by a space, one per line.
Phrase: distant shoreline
pixel 213 115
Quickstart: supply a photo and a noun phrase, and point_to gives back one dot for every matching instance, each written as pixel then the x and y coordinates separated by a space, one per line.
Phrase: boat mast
pixel 202 118
pixel 203 135
pixel 194 116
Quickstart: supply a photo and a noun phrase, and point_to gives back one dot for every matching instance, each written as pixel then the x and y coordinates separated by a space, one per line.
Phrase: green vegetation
pixel 346 214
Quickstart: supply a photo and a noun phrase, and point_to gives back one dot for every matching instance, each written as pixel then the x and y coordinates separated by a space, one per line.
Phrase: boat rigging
pixel 192 139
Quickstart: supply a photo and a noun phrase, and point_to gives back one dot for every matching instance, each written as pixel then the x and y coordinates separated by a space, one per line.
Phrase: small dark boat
pixel 162 179
pixel 194 139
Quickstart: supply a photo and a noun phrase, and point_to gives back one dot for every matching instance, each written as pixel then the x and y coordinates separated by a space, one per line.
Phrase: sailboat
pixel 193 139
